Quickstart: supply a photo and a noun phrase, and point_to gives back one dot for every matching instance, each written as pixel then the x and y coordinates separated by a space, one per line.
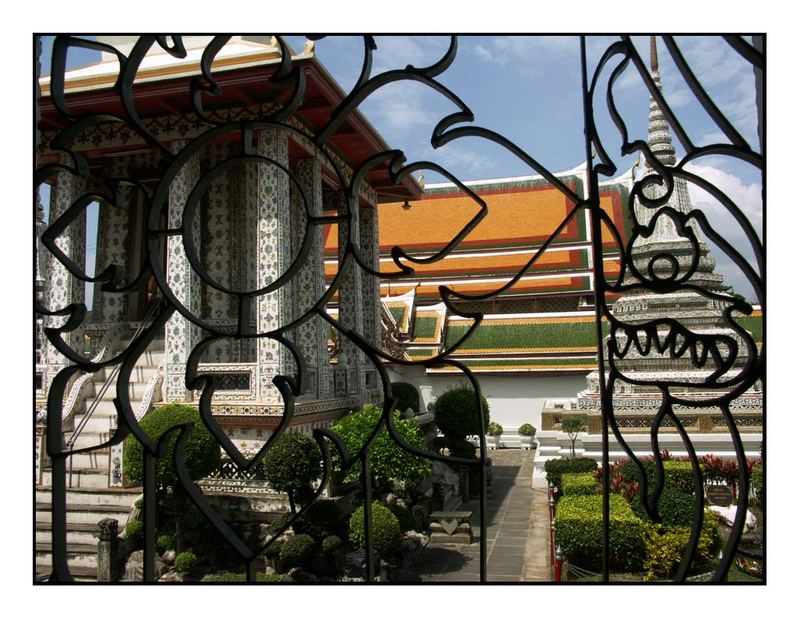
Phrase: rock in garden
pixel 133 569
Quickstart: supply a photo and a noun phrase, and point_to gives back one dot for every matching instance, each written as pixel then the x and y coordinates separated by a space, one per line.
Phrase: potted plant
pixel 526 433
pixel 493 432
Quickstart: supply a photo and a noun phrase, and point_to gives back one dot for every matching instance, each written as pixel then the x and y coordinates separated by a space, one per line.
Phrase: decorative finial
pixel 309 48
pixel 653 54
pixel 421 180
pixel 273 42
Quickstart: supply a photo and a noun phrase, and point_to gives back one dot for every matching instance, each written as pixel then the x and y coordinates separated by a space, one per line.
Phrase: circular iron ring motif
pixel 160 205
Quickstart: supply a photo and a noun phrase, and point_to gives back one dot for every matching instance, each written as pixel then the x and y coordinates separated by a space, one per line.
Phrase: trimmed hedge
pixel 297 551
pixel 579 484
pixel 526 429
pixel 666 545
pixel 202 453
pixel 456 414
pixel 386 534
pixel 494 429
pixel 556 468
pixel 331 543
pixel 676 508
pixel 579 533
pixel 292 464
pixel 677 474
pixel 185 562
pixel 757 482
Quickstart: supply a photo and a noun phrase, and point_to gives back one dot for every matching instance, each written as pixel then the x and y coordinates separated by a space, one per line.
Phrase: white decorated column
pixel 270 190
pixel 61 288
pixel 179 333
pixel 310 281
pixel 351 311
pixel 370 284
pixel 114 224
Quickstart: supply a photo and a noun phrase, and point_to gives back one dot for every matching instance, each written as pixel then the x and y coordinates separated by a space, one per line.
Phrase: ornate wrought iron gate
pixel 736 363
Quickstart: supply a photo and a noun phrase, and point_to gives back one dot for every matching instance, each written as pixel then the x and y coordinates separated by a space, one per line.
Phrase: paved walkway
pixel 517 529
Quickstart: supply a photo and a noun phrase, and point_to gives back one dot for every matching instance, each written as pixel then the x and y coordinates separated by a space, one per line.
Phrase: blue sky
pixel 527 88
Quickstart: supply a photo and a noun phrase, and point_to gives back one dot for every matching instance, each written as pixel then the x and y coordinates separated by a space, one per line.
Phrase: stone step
pixel 102 417
pixel 77 532
pixel 80 477
pixel 80 557
pixel 89 439
pixel 136 392
pixel 81 573
pixel 84 514
pixel 96 459
pixel 88 498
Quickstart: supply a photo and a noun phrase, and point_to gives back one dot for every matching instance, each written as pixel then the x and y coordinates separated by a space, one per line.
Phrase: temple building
pixel 535 350
pixel 239 195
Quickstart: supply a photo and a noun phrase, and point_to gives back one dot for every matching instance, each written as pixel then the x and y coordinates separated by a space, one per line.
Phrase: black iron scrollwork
pixel 734 362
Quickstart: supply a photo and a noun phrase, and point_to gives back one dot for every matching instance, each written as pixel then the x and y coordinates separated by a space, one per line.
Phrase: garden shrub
pixel 185 562
pixel 292 464
pixel 386 534
pixel 202 455
pixel 579 483
pixel 388 460
pixel 278 524
pixel 134 530
pixel 273 551
pixel 331 543
pixel 666 545
pixel 165 542
pixel 407 397
pixel 323 513
pixel 456 414
pixel 405 518
pixel 757 482
pixel 526 429
pixel 297 551
pixel 494 429
pixel 677 474
pixel 676 508
pixel 556 468
pixel 579 532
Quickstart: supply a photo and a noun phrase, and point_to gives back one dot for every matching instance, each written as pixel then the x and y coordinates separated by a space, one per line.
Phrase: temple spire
pixel 653 54
pixel 658 134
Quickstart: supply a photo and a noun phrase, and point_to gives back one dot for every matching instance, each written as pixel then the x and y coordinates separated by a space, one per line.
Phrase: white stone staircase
pixel 90 498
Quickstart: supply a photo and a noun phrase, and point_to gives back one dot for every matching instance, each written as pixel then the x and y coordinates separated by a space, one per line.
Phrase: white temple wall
pixel 513 400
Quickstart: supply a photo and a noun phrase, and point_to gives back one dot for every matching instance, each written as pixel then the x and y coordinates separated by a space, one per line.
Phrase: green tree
pixel 292 464
pixel 572 424
pixel 388 460
pixel 456 413
pixel 201 455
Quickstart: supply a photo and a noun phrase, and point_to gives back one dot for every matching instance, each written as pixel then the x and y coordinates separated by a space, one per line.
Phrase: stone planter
pixel 527 442
pixel 493 442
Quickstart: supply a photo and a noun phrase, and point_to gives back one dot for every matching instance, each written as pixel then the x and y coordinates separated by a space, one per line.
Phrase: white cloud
pixel 527 49
pixel 397 52
pixel 465 164
pixel 399 108
pixel 747 197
